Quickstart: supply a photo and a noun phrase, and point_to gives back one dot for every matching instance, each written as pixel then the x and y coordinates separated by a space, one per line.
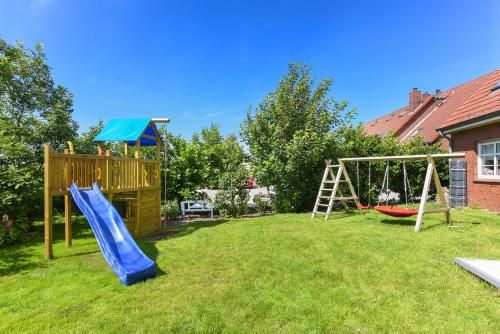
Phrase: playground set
pixel 96 181
pixel 334 193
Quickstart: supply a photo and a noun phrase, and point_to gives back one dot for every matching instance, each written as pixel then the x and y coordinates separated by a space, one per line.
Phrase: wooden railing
pixel 113 174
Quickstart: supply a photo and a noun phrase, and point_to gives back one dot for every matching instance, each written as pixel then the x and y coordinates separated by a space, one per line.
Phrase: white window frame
pixel 496 157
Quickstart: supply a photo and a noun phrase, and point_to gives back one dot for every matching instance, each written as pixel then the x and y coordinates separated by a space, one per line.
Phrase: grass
pixel 363 273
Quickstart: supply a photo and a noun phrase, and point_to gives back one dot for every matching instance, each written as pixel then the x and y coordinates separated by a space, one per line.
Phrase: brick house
pixel 465 118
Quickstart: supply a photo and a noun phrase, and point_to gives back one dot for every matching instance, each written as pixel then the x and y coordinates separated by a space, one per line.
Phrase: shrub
pixel 261 204
pixel 171 209
pixel 233 198
pixel 14 234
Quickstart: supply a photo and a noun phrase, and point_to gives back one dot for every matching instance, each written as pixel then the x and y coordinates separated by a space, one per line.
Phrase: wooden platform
pixel 134 182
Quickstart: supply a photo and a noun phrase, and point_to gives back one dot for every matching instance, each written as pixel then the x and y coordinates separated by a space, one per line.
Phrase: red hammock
pixel 396 211
pixel 363 207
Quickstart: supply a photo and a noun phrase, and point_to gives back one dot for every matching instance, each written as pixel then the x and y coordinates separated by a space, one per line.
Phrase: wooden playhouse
pixel 131 183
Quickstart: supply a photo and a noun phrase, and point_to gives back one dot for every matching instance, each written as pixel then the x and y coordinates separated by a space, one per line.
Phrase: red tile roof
pixel 482 102
pixel 471 98
pixel 389 122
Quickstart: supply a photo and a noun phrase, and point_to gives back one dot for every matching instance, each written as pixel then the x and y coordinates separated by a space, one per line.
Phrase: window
pixel 489 160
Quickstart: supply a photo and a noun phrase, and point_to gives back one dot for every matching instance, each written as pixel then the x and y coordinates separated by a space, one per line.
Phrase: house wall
pixel 445 145
pixel 480 192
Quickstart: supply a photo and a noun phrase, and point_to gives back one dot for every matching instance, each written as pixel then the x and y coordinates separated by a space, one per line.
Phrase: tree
pixel 200 162
pixel 184 168
pixel 290 134
pixel 85 143
pixel 232 199
pixel 33 111
pixel 218 154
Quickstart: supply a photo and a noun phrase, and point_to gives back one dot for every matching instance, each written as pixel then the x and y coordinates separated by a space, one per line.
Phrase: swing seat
pixel 364 207
pixel 395 211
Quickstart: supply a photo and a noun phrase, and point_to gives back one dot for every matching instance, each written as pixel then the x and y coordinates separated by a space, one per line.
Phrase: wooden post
pixel 137 152
pixel 125 149
pixel 425 194
pixel 137 229
pixel 110 173
pixel 349 183
pixel 439 190
pixel 47 202
pixel 334 177
pixel 137 155
pixel 70 147
pixel 67 198
pixel 67 219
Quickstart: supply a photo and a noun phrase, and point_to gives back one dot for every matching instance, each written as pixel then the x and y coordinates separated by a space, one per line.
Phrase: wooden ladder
pixel 329 190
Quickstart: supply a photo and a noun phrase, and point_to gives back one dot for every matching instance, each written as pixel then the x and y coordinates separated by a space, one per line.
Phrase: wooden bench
pixel 196 206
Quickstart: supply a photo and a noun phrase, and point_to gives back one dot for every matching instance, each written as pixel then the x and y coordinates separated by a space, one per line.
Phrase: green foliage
pixel 290 134
pixel 84 144
pixel 171 209
pixel 261 204
pixel 232 199
pixel 33 111
pixel 16 233
pixel 356 144
pixel 184 169
pixel 219 154
pixel 200 162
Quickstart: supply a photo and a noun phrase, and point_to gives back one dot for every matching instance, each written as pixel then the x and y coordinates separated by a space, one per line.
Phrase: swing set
pixel 337 174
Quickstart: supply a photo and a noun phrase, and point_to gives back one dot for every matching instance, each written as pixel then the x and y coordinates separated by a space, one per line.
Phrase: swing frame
pixel 431 175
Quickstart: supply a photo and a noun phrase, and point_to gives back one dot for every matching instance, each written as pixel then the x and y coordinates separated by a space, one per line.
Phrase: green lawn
pixel 363 273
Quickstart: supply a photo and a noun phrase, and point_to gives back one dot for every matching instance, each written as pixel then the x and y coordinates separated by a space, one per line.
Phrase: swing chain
pixel 357 178
pixel 385 186
pixel 407 185
pixel 405 181
pixel 369 183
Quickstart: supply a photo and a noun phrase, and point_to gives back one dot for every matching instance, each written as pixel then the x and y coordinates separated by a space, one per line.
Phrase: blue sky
pixel 208 61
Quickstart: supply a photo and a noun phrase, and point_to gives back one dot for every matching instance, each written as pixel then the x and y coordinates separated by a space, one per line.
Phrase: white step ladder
pixel 329 190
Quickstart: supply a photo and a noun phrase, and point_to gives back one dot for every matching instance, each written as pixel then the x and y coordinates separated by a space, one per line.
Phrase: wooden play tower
pixel 131 183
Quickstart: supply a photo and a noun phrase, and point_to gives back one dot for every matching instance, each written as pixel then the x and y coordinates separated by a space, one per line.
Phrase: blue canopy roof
pixel 128 130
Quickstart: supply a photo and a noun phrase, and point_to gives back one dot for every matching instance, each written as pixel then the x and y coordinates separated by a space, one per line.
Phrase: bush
pixel 233 198
pixel 171 209
pixel 261 204
pixel 14 234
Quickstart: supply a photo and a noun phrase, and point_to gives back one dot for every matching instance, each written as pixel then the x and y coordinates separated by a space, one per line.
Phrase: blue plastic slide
pixel 120 250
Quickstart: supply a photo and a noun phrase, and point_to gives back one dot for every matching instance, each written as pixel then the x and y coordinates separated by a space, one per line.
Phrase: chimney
pixel 439 94
pixel 425 95
pixel 415 99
